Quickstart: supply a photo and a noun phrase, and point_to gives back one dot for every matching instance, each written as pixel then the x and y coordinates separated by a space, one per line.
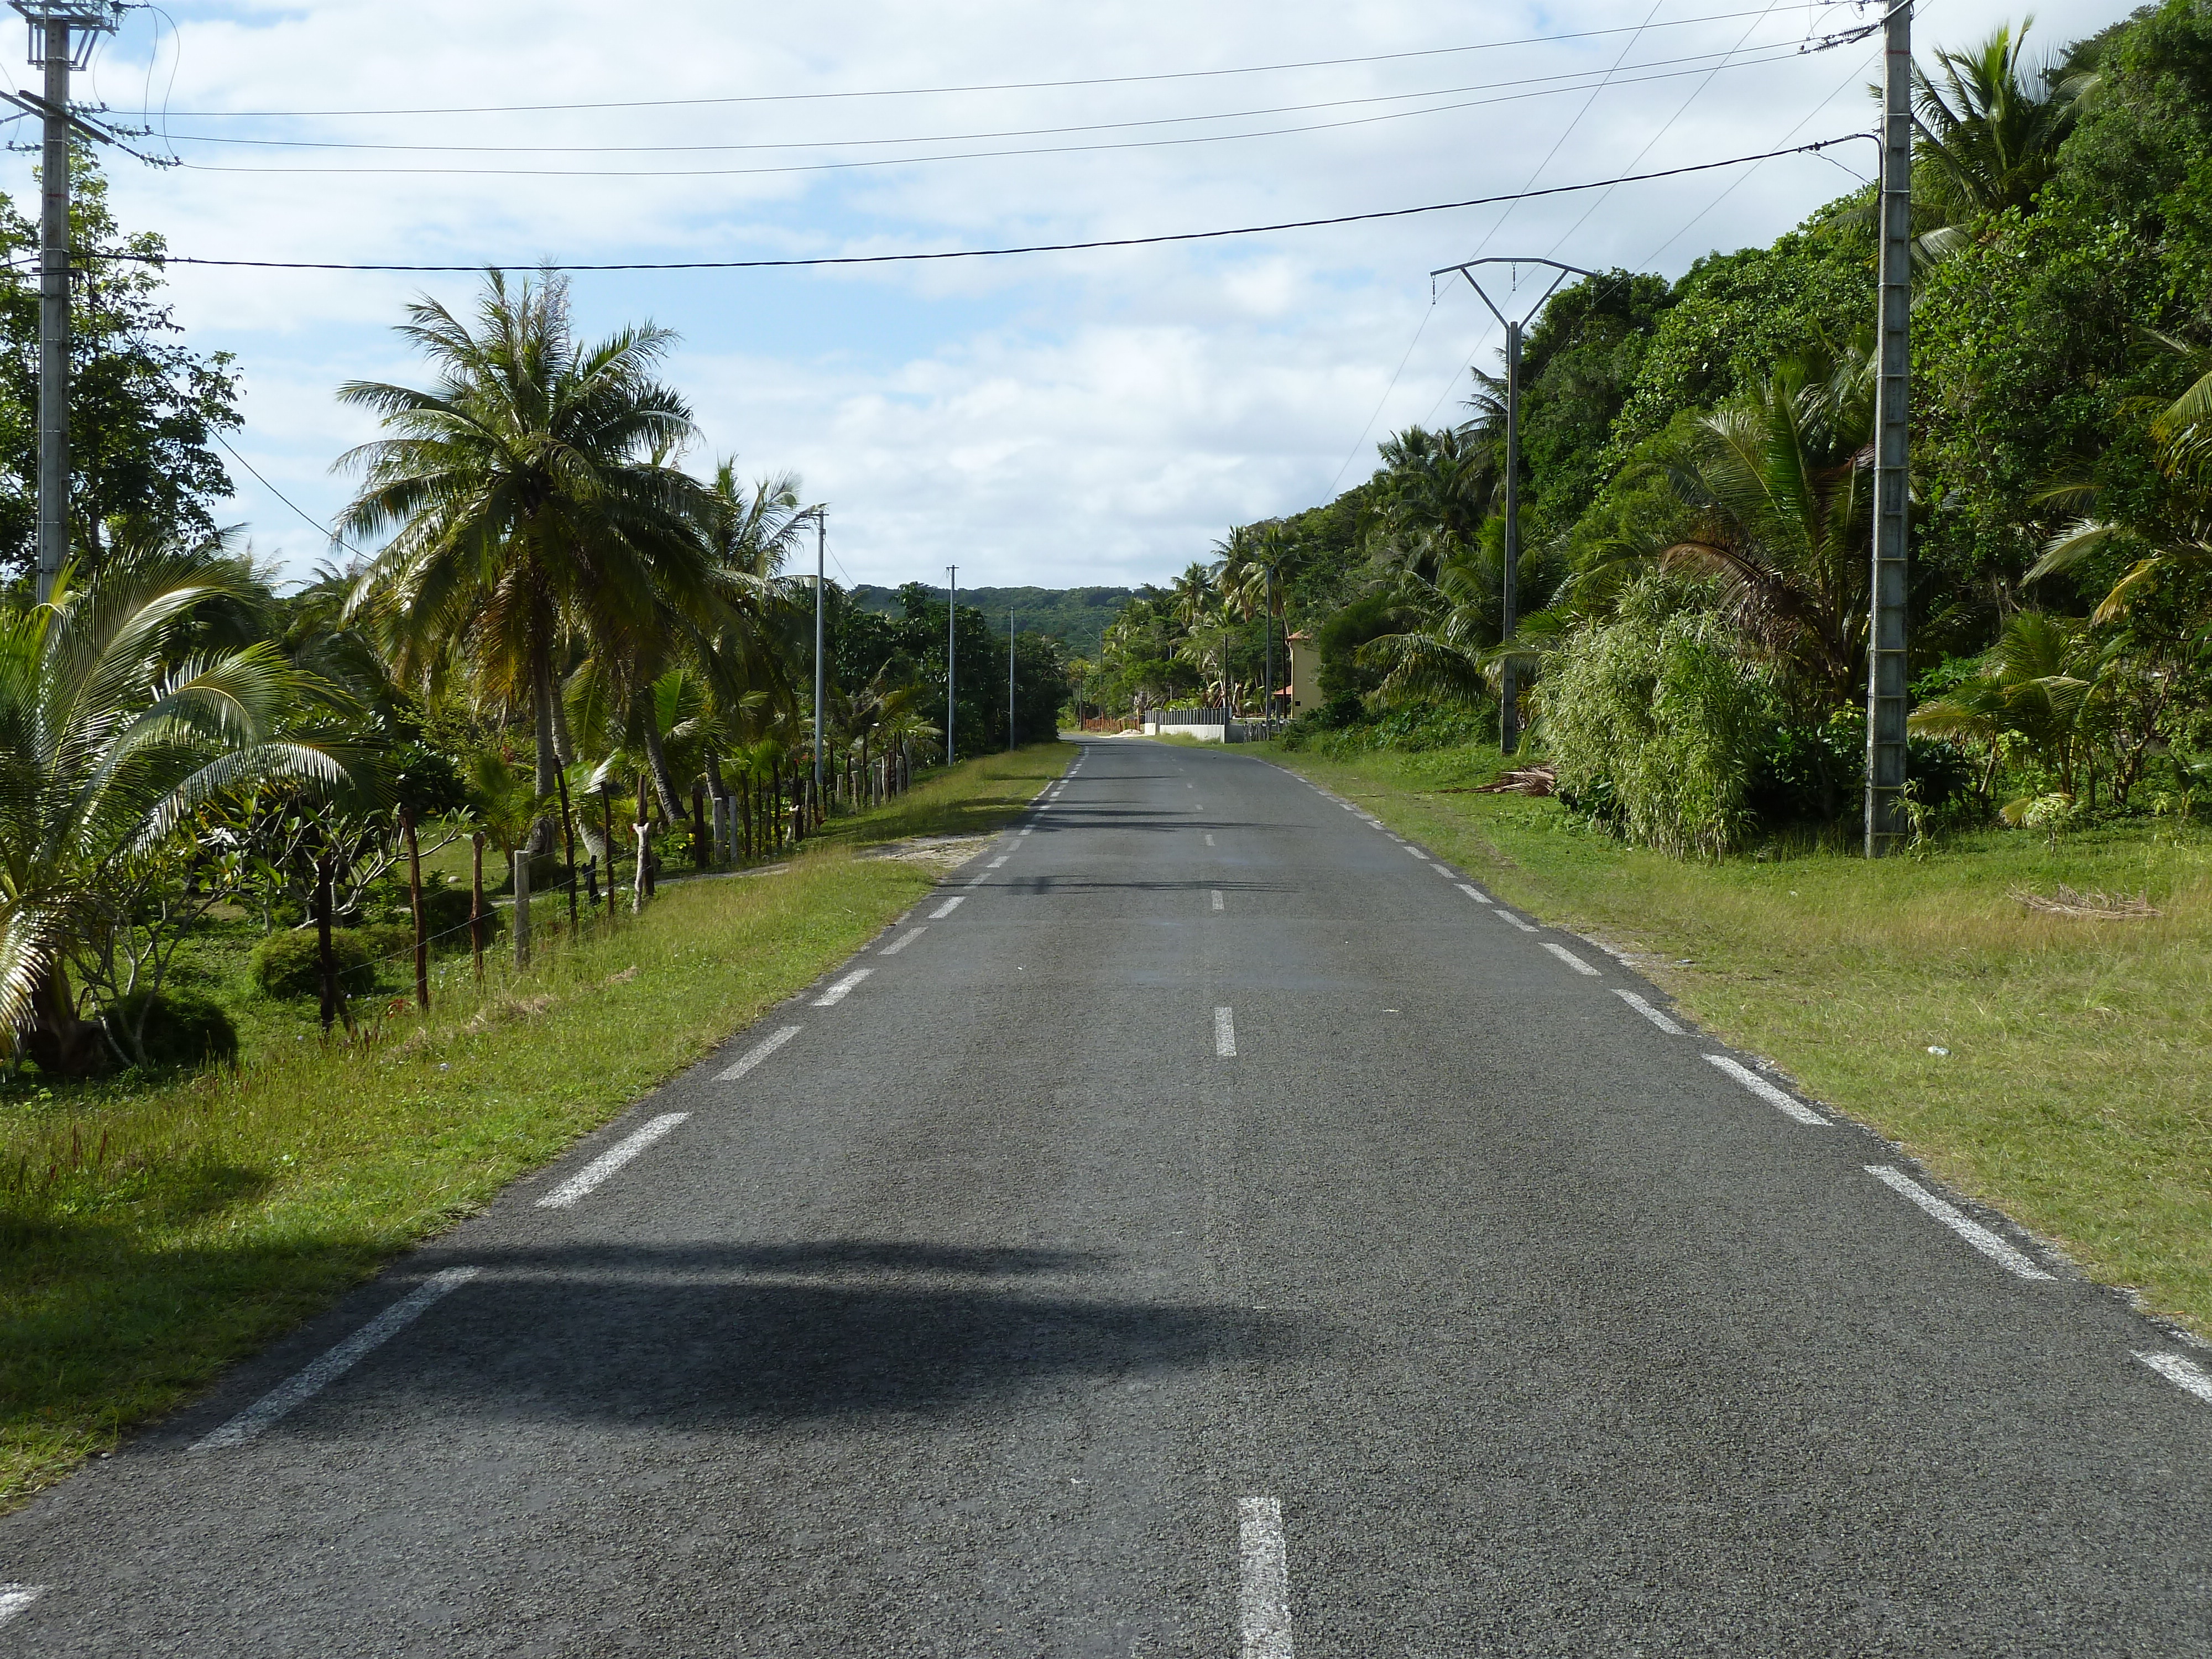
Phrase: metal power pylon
pixel 1508 720
pixel 1887 691
pixel 62 35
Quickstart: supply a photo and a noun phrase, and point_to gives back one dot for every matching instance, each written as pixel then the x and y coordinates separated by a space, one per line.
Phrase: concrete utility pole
pixel 1886 699
pixel 1010 680
pixel 821 537
pixel 1508 720
pixel 951 624
pixel 63 34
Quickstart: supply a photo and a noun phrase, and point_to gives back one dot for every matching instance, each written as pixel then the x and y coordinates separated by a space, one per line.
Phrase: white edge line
pixel 903 940
pixel 1972 1231
pixel 947 908
pixel 759 1051
pixel 1648 1012
pixel 1474 893
pixel 2183 1373
pixel 610 1161
pixel 1225 1033
pixel 14 1598
pixel 1781 1100
pixel 1571 959
pixel 1263 1588
pixel 1507 915
pixel 304 1384
pixel 837 992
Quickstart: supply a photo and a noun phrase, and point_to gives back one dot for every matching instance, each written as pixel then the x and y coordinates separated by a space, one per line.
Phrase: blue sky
pixel 1059 419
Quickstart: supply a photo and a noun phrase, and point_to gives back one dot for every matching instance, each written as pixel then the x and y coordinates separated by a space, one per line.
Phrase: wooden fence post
pixel 415 900
pixel 639 885
pixel 568 840
pixel 522 908
pixel 476 903
pixel 326 963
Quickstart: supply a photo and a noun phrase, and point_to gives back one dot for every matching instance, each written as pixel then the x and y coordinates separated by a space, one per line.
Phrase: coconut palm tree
pixel 527 495
pixel 1990 127
pixel 109 742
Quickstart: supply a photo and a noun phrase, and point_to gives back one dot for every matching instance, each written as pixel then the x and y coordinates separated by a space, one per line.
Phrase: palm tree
pixel 1436 488
pixel 1775 497
pixel 2035 684
pixel 109 742
pixel 526 496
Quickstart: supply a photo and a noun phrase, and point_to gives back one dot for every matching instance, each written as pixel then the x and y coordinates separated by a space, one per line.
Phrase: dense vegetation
pixel 1695 490
pixel 567 646
pixel 1077 618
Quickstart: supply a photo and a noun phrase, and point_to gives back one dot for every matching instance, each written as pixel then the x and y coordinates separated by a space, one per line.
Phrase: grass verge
pixel 148 1236
pixel 2076 1090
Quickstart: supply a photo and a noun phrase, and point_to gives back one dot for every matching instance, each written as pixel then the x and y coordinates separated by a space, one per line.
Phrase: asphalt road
pixel 1221 1233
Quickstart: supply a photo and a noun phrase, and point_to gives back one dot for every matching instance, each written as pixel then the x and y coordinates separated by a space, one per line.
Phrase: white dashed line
pixel 1415 851
pixel 761 1051
pixel 1209 838
pixel 1444 871
pixel 979 878
pixel 903 940
pixel 2182 1372
pixel 1474 893
pixel 306 1385
pixel 1781 1100
pixel 1263 1590
pixel 1571 959
pixel 947 908
pixel 1972 1232
pixel 1027 828
pixel 1217 898
pixel 14 1598
pixel 563 1196
pixel 1225 1033
pixel 999 860
pixel 843 988
pixel 1507 915
pixel 1649 1011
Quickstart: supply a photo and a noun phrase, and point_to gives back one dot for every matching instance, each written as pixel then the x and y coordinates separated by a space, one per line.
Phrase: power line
pixel 965 156
pixel 1706 61
pixel 312 522
pixel 997 86
pixel 1811 149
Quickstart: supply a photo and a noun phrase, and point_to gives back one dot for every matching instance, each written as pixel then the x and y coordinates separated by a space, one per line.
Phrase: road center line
pixel 761 1051
pixel 843 988
pixel 1571 959
pixel 947 908
pixel 13 1598
pixel 1474 893
pixel 1507 915
pixel 305 1384
pixel 1217 898
pixel 1788 1104
pixel 1263 1590
pixel 1972 1232
pixel 903 940
pixel 608 1162
pixel 1649 1011
pixel 2182 1372
pixel 1225 1033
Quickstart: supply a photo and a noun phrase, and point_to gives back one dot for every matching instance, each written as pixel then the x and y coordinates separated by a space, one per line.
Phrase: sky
pixel 1059 419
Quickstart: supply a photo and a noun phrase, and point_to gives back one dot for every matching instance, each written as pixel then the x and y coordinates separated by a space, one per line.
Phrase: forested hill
pixel 1076 617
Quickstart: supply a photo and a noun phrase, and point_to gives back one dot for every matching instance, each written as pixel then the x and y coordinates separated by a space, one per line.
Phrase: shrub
pixel 286 965
pixel 1657 726
pixel 181 1028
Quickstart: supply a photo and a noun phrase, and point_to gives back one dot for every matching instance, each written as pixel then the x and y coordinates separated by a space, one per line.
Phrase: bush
pixel 286 965
pixel 181 1029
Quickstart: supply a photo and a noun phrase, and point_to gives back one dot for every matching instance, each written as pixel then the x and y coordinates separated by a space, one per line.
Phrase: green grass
pixel 2077 1092
pixel 151 1235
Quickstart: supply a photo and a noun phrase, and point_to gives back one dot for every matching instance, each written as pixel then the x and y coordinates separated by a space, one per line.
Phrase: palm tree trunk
pixel 663 781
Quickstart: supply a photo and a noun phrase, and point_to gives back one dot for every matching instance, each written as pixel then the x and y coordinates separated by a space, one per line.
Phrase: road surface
pixel 1208 1226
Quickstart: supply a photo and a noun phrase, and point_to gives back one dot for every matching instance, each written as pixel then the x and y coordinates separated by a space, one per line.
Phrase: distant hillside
pixel 1076 617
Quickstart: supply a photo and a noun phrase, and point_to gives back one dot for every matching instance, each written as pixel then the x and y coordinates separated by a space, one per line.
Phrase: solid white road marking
pixel 761 1051
pixel 1782 1101
pixel 999 860
pixel 1972 1232
pixel 843 988
pixel 1571 959
pixel 1217 898
pixel 1225 1033
pixel 1475 893
pixel 1263 1590
pixel 1507 915
pixel 305 1384
pixel 1649 1011
pixel 608 1161
pixel 13 1598
pixel 2182 1372
pixel 903 940
pixel 946 908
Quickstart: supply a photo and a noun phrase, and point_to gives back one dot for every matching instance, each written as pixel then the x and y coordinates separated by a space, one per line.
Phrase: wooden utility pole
pixel 569 841
pixel 1888 702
